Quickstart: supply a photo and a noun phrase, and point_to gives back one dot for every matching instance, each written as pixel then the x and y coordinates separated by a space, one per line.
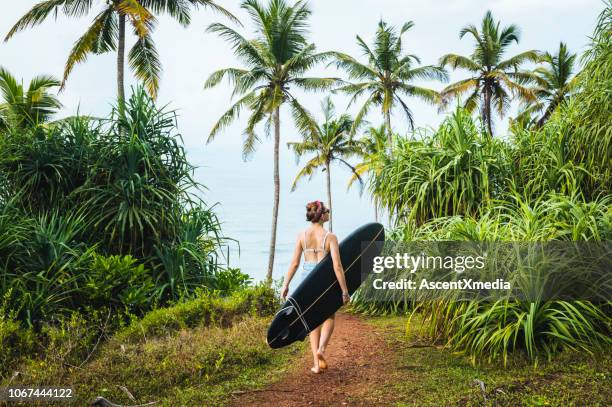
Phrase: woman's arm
pixel 295 263
pixel 338 269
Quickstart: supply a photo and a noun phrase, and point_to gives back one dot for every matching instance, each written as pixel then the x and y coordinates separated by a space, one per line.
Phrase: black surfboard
pixel 319 294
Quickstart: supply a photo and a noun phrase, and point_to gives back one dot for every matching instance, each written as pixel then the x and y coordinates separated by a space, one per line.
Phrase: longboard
pixel 319 295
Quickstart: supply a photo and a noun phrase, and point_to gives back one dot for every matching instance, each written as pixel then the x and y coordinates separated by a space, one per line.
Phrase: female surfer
pixel 315 242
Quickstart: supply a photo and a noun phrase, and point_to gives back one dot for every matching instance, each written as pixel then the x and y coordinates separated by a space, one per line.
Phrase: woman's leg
pixel 314 336
pixel 326 332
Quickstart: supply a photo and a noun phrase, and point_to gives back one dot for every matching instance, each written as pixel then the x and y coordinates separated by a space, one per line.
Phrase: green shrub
pixel 70 339
pixel 543 185
pixel 543 328
pixel 489 330
pixel 118 281
pixel 231 279
pixel 16 342
pixel 457 170
pixel 78 195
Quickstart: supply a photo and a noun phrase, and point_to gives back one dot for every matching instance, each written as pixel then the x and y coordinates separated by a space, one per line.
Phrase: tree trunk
pixel 487 108
pixel 276 119
pixel 329 195
pixel 121 61
pixel 389 132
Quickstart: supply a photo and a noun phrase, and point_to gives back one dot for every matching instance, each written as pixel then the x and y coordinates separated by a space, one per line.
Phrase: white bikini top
pixel 316 249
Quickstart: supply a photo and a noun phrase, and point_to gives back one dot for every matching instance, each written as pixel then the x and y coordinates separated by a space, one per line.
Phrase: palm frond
pixel 355 69
pixel 247 50
pixel 316 84
pixel 91 41
pixel 307 170
pixel 36 15
pixel 233 75
pixel 140 18
pixel 230 115
pixel 458 61
pixel 516 61
pixel 304 121
pixel 426 72
pixel 144 60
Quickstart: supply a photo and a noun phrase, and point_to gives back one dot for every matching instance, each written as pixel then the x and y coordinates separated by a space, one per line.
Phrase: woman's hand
pixel 345 297
pixel 284 291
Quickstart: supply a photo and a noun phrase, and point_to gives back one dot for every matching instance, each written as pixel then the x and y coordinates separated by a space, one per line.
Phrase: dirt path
pixel 361 367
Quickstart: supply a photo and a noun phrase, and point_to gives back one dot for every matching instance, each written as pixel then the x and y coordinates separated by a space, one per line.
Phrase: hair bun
pixel 314 211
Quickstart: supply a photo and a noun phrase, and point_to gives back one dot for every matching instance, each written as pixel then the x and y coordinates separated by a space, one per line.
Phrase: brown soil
pixel 360 371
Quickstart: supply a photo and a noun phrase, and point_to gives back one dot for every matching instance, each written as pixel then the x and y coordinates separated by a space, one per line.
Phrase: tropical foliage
pixel 554 84
pixel 22 107
pixel 548 183
pixel 102 216
pixel 103 213
pixel 455 171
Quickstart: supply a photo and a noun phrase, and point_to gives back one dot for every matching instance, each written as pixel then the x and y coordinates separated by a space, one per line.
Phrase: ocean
pixel 244 191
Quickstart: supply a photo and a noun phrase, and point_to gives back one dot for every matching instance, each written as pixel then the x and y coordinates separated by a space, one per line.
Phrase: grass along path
pixel 371 363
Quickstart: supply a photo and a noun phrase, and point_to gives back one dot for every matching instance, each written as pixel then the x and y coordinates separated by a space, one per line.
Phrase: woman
pixel 315 242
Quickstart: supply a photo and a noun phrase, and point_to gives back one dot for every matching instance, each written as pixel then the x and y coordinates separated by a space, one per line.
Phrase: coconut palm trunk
pixel 329 194
pixel 276 119
pixel 121 61
pixel 487 109
pixel 388 123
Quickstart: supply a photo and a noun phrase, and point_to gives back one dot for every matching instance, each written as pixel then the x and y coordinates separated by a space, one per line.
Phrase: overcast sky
pixel 190 54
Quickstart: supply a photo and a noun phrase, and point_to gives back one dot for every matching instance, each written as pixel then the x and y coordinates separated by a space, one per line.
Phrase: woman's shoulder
pixel 330 237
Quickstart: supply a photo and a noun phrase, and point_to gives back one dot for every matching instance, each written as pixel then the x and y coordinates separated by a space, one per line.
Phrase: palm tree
pixel 554 84
pixel 386 77
pixel 24 108
pixel 107 32
pixel 492 76
pixel 329 142
pixel 276 60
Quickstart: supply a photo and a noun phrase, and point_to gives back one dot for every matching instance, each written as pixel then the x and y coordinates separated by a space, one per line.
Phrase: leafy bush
pixel 16 342
pixel 118 281
pixel 104 213
pixel 231 279
pixel 457 170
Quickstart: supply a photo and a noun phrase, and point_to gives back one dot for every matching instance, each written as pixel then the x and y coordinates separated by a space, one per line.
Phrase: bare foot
pixel 322 362
pixel 315 369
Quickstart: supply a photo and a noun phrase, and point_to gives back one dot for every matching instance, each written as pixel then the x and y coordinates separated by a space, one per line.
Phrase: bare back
pixel 315 244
